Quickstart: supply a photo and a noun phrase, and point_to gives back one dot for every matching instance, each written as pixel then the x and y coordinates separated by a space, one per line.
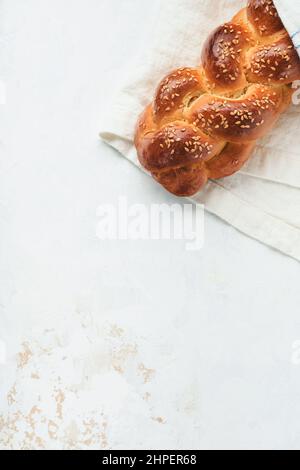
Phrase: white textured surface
pixel 121 344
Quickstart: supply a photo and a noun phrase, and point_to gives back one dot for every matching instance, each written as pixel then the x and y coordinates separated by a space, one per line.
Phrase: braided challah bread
pixel 205 121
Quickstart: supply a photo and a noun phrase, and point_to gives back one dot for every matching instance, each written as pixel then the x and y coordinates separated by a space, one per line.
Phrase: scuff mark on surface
pixel 24 355
pixel 11 396
pixel 52 429
pixel 146 373
pixel 59 398
pixel 35 376
pixel 121 355
pixel 159 420
pixel 68 391
pixel 116 331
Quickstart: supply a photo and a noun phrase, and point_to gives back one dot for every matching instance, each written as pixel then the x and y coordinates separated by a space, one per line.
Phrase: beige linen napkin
pixel 263 200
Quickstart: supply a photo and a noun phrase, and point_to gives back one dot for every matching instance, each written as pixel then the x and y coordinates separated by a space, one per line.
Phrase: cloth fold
pixel 263 200
pixel 289 12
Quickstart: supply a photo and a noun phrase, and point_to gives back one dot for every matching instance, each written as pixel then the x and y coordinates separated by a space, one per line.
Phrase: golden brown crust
pixel 175 88
pixel 230 160
pixel 274 64
pixel 172 145
pixel 205 121
pixel 264 17
pixel 183 181
pixel 222 58
pixel 244 119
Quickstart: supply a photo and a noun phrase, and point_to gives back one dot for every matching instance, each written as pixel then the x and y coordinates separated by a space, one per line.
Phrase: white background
pixel 121 344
